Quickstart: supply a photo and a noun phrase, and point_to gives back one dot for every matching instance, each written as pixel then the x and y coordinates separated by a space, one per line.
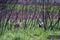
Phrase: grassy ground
pixel 30 33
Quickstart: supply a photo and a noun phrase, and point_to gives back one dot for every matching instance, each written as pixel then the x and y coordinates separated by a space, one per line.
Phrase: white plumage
pixel 41 24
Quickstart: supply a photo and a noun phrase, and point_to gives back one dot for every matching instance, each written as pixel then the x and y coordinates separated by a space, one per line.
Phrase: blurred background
pixel 29 19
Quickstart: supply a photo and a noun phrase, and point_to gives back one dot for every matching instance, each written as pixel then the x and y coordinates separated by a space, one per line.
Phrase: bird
pixel 18 24
pixel 41 24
